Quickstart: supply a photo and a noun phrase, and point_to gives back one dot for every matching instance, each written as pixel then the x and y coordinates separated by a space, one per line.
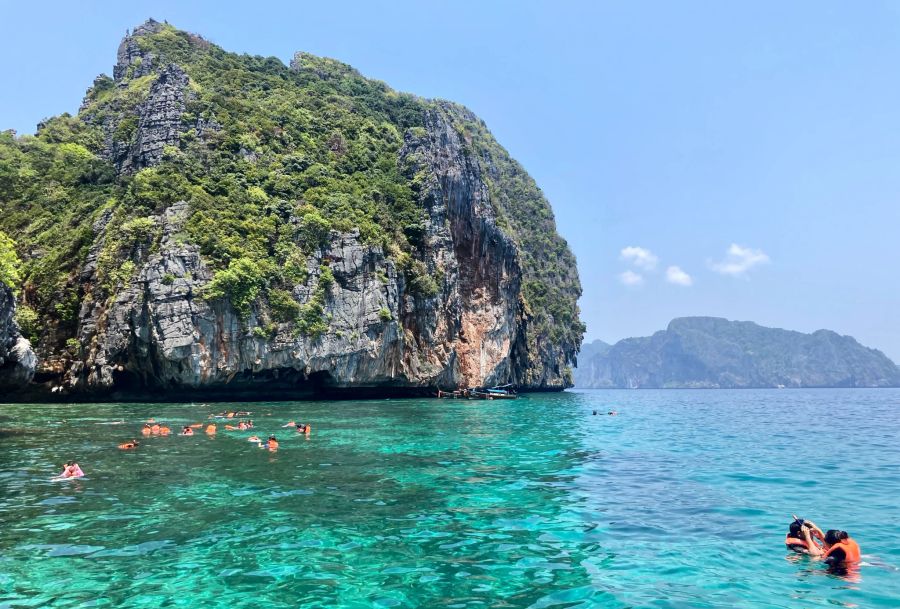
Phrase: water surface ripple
pixel 679 501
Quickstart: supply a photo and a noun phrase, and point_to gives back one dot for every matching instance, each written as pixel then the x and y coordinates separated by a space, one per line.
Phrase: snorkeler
pixel 71 470
pixel 272 444
pixel 795 539
pixel 164 430
pixel 128 445
pixel 146 429
pixel 187 431
pixel 211 429
pixel 154 429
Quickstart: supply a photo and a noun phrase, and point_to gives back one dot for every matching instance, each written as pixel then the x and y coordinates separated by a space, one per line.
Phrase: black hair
pixel 833 536
pixel 796 528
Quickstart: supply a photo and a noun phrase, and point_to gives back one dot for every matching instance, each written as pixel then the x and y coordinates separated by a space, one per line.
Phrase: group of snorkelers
pixel 836 548
pixel 154 428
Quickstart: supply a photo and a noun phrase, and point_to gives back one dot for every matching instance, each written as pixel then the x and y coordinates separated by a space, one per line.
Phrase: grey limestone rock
pixel 17 360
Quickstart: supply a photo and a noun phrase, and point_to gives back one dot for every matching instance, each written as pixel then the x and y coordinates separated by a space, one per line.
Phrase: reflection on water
pixel 680 501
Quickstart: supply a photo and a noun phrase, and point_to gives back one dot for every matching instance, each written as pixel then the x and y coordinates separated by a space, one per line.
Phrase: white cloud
pixel 675 275
pixel 739 260
pixel 639 257
pixel 631 278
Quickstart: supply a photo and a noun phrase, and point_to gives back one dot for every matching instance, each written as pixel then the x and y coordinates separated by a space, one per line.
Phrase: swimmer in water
pixel 272 444
pixel 164 430
pixel 290 424
pixel 187 431
pixel 211 429
pixel 254 439
pixel 129 445
pixel 154 429
pixel 71 470
pixel 838 549
pixel 146 429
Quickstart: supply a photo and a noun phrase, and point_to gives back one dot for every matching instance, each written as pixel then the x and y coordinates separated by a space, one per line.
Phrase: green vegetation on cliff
pixel 9 262
pixel 271 159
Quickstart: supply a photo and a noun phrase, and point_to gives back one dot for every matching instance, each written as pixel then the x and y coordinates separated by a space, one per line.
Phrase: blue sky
pixel 682 130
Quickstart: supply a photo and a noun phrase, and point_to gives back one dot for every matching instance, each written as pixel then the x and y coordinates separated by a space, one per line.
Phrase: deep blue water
pixel 682 500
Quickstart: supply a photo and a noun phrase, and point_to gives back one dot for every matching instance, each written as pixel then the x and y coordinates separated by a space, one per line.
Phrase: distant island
pixel 711 352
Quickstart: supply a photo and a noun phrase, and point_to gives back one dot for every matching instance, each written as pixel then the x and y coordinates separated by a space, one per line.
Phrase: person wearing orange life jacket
pixel 795 539
pixel 838 548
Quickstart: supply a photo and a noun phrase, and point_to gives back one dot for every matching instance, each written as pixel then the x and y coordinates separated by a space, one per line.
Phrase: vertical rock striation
pixel 17 360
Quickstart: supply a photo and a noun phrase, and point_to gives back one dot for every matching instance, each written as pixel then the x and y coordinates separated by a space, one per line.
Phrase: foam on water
pixel 680 501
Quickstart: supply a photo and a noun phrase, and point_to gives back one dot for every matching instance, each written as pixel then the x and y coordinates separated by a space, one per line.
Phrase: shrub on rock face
pixel 9 262
pixel 284 307
pixel 241 283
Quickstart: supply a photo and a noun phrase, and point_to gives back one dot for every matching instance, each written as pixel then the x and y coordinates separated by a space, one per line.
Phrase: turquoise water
pixel 680 501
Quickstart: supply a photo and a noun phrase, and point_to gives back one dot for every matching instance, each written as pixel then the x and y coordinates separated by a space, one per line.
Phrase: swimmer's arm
pixel 811 547
pixel 816 531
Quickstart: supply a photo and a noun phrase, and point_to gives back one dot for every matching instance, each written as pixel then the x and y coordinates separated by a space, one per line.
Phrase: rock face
pixel 17 360
pixel 710 352
pixel 448 310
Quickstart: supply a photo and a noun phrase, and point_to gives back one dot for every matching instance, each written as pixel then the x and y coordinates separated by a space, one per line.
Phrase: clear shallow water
pixel 680 501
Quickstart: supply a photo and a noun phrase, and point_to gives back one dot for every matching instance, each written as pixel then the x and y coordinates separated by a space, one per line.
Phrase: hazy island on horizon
pixel 712 353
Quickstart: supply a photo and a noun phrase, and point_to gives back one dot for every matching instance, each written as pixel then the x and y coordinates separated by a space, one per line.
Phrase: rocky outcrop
pixel 131 59
pixel 160 333
pixel 17 360
pixel 433 299
pixel 710 352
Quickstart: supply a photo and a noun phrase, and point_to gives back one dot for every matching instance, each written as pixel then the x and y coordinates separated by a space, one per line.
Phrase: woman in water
pixel 187 431
pixel 838 548
pixel 71 470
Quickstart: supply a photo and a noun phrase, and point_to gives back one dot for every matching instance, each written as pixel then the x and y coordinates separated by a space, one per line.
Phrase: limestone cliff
pixel 240 228
pixel 17 360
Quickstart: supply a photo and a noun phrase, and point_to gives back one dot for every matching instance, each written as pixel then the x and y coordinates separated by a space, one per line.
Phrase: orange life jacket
pixel 273 444
pixel 210 429
pixel 850 548
pixel 794 541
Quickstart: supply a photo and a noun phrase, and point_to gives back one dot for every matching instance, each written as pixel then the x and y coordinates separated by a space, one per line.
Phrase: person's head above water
pixel 833 536
pixel 796 528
